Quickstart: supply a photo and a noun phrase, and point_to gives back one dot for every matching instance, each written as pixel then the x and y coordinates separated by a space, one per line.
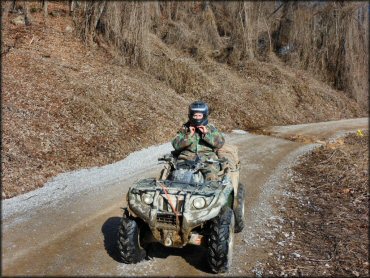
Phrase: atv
pixel 180 207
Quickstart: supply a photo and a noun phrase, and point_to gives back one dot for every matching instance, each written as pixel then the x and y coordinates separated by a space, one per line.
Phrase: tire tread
pixel 219 241
pixel 239 217
pixel 128 237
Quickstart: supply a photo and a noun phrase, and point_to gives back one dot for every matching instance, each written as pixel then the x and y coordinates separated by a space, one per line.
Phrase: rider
pixel 197 137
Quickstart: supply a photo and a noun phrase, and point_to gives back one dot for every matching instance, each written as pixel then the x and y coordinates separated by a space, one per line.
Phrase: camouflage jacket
pixel 198 143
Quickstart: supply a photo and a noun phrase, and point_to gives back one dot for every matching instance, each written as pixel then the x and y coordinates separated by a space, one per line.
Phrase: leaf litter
pixel 325 211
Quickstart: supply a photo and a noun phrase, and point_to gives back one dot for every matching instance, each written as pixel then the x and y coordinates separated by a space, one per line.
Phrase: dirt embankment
pixel 326 213
pixel 68 106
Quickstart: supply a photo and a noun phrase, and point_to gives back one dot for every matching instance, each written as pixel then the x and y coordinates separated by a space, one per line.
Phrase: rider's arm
pixel 214 137
pixel 182 140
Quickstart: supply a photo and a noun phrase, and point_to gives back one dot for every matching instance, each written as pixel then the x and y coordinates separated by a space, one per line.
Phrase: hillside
pixel 68 105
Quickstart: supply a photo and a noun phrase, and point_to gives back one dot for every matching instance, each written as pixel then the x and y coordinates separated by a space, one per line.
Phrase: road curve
pixel 69 227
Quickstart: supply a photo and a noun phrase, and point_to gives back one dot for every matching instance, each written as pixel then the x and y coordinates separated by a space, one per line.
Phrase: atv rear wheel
pixel 221 241
pixel 239 209
pixel 129 246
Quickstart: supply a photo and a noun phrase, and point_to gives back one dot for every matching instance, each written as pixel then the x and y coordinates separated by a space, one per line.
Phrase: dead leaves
pixel 329 207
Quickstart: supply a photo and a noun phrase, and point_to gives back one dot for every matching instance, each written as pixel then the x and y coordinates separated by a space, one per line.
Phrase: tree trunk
pixel 71 6
pixel 205 5
pixel 45 6
pixel 27 15
pixel 13 5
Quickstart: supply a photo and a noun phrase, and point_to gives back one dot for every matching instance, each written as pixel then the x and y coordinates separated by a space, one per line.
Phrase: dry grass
pixel 67 105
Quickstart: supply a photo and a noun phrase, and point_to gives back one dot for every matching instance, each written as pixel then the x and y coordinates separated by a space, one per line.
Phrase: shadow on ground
pixel 110 232
pixel 194 255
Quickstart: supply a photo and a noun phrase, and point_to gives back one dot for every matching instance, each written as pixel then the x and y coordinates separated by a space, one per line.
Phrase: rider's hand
pixel 203 129
pixel 192 130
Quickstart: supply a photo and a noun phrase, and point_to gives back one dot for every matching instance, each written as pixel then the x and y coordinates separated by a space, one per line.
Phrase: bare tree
pixel 27 15
pixel 72 5
pixel 45 7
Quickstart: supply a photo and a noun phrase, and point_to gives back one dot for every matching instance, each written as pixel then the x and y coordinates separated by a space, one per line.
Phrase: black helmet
pixel 198 107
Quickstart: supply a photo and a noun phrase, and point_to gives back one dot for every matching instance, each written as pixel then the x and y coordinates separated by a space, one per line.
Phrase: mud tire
pixel 221 241
pixel 130 251
pixel 239 209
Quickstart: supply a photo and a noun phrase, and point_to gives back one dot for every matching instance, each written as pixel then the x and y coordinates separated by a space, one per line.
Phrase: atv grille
pixel 166 218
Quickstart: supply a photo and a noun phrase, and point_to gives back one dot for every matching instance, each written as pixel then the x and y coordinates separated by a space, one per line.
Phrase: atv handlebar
pixel 170 158
pixel 166 157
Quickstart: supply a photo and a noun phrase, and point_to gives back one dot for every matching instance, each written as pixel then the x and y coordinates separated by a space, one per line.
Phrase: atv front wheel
pixel 221 241
pixel 129 246
pixel 239 209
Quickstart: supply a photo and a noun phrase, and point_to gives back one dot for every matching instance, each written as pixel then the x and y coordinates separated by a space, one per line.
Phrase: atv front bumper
pixel 175 228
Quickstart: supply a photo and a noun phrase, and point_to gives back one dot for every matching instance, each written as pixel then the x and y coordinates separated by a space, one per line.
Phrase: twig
pixel 31 197
pixel 343 152
pixel 69 67
pixel 268 32
pixel 33 37
pixel 329 157
pixel 317 260
pixel 282 4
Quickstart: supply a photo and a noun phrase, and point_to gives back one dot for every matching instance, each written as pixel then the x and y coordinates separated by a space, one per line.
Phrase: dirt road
pixel 69 227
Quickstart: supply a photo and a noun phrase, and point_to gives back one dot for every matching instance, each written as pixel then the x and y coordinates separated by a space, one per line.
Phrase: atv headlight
pixel 199 203
pixel 147 198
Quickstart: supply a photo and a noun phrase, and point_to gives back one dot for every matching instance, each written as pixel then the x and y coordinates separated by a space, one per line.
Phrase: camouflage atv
pixel 180 208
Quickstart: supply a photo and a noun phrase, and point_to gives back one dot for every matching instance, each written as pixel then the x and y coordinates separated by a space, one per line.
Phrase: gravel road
pixel 69 226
